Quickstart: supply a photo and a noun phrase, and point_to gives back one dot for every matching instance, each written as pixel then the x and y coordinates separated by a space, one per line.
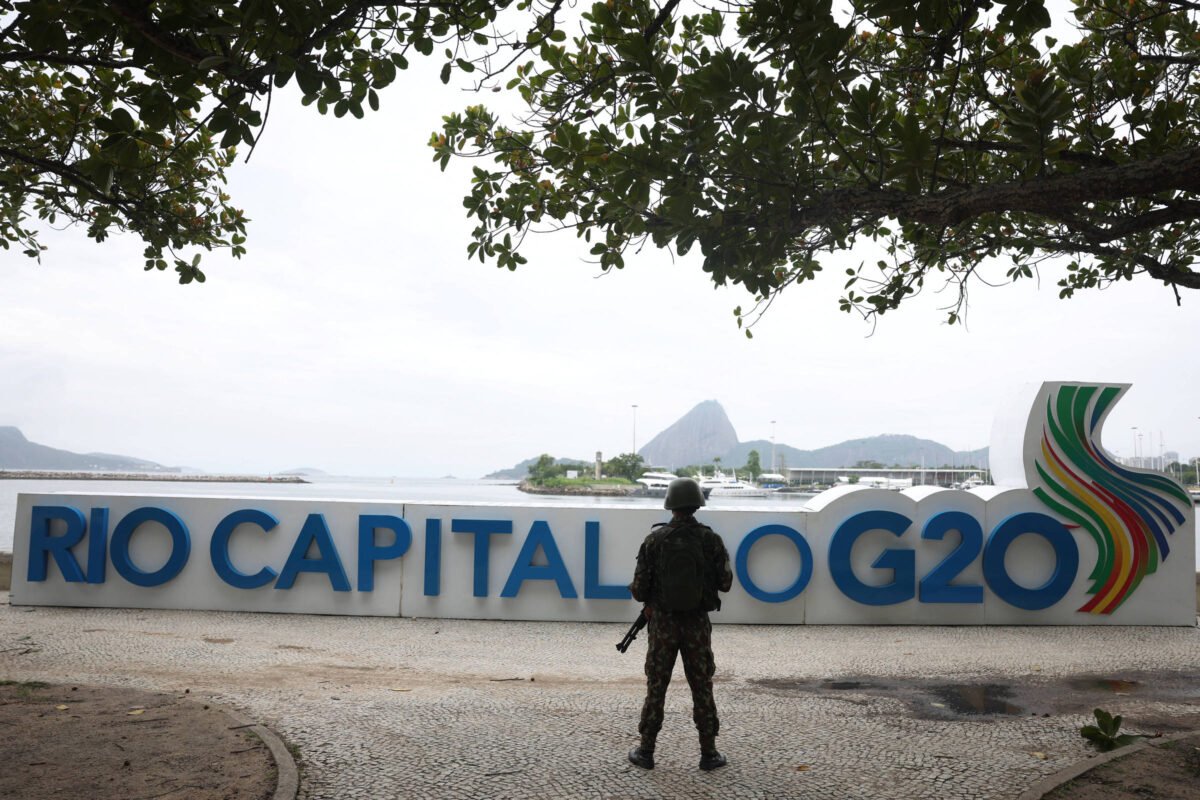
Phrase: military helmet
pixel 683 493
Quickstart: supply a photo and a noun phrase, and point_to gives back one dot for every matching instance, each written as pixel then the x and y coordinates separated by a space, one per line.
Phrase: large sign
pixel 1067 537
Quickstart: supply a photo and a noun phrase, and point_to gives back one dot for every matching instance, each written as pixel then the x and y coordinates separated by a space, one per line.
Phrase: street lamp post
pixel 773 464
pixel 1133 458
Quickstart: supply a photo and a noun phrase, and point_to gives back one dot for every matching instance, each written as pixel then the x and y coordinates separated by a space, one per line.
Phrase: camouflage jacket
pixel 643 587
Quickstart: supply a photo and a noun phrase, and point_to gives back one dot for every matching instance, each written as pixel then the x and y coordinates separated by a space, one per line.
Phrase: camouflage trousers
pixel 689 635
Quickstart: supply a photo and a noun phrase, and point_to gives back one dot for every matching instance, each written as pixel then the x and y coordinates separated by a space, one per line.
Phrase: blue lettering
pixel 1066 561
pixel 314 532
pixel 433 557
pixel 593 589
pixel 43 545
pixel 743 558
pixel 97 561
pixel 218 549
pixel 483 530
pixel 369 552
pixel 936 587
pixel 540 536
pixel 181 546
pixel 901 562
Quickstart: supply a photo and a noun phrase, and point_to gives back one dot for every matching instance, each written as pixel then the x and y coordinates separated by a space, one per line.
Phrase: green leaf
pixel 122 120
pixel 309 81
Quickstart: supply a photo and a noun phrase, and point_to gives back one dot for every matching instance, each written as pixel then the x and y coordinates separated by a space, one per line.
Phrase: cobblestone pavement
pixel 463 709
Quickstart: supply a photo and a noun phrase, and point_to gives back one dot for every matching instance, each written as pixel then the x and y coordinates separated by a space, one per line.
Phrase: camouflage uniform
pixel 686 633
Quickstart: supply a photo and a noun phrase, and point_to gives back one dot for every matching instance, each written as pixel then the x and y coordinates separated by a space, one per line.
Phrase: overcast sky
pixel 355 337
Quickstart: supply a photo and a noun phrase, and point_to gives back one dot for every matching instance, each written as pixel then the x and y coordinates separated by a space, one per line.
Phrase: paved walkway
pixel 461 709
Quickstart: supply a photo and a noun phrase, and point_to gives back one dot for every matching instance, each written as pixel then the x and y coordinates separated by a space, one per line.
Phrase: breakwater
pixel 588 490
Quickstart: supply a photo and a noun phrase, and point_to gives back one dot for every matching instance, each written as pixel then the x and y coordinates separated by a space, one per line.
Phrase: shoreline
pixel 594 490
pixel 178 477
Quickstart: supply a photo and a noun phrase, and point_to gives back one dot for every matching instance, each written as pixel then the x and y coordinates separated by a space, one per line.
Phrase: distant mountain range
pixel 705 433
pixel 887 449
pixel 17 452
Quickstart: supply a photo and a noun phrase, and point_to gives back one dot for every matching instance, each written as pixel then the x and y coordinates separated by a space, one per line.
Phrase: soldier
pixel 680 568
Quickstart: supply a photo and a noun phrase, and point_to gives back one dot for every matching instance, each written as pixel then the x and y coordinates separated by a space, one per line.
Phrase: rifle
pixel 632 633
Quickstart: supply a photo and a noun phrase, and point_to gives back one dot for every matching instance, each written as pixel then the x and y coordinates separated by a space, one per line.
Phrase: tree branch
pixel 71 176
pixel 1189 279
pixel 993 146
pixel 1183 211
pixel 141 22
pixel 663 15
pixel 65 60
pixel 1177 171
pixel 1157 59
pixel 12 26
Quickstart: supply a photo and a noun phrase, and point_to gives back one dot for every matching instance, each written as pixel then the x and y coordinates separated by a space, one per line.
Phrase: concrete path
pixel 459 709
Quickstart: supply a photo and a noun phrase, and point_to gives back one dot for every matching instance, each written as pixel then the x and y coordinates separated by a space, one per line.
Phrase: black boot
pixel 710 757
pixel 641 757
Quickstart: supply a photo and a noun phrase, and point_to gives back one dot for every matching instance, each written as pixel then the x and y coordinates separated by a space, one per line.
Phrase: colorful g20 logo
pixel 1128 513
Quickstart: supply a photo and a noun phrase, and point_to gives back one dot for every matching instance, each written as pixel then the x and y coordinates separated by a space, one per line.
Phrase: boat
pixel 971 482
pixel 721 485
pixel 655 484
pixel 772 480
pixel 874 482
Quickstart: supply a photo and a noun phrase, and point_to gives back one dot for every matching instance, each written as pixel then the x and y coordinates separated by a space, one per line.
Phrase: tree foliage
pixel 543 469
pixel 957 135
pixel 125 115
pixel 769 133
pixel 547 468
pixel 626 465
pixel 753 464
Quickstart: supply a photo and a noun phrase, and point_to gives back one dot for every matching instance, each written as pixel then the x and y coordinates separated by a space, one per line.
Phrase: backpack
pixel 682 573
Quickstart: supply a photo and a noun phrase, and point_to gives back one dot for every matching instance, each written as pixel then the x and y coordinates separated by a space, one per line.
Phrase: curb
pixel 287 774
pixel 1052 782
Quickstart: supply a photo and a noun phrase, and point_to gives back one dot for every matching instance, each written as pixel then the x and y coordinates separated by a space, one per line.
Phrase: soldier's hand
pixel 647 612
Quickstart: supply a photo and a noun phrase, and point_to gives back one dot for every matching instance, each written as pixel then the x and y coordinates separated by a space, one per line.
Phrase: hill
pixel 888 449
pixel 17 452
pixel 697 437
